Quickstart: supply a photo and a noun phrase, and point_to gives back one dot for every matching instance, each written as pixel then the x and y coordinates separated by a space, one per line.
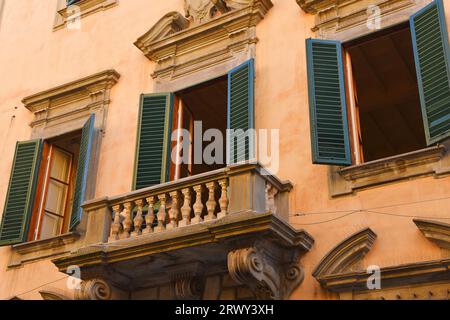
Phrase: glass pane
pixel 56 197
pixel 50 226
pixel 60 165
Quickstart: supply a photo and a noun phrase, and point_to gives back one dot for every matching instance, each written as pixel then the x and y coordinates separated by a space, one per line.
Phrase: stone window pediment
pixel 67 107
pixel 65 14
pixel 348 19
pixel 211 38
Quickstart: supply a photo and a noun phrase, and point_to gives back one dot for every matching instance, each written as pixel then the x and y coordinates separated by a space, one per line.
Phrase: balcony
pixel 229 223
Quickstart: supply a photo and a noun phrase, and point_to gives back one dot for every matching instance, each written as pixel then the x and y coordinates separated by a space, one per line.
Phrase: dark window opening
pixel 386 94
pixel 205 103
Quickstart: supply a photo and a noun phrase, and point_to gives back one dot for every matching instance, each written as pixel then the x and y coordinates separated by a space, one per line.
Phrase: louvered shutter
pixel 84 159
pixel 153 140
pixel 21 192
pixel 430 44
pixel 328 110
pixel 241 113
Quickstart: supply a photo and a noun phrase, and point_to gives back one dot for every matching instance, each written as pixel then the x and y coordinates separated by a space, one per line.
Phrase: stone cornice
pixel 314 6
pixel 242 225
pixel 154 41
pixel 79 10
pixel 346 254
pixel 347 19
pixel 437 232
pixel 402 275
pixel 102 80
pixel 181 48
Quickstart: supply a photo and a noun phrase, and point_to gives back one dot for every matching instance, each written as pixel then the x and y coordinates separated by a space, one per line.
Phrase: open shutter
pixel 328 110
pixel 430 44
pixel 21 192
pixel 153 140
pixel 87 138
pixel 241 113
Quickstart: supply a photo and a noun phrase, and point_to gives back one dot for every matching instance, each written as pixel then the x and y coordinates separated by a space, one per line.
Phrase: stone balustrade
pixel 189 201
pixel 172 207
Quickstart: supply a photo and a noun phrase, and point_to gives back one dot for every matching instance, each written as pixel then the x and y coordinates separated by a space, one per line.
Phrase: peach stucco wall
pixel 34 58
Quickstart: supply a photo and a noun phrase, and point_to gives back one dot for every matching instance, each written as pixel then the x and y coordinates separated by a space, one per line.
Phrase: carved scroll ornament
pixel 94 289
pixel 267 278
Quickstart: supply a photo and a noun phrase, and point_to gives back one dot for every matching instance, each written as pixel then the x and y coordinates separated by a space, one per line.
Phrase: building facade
pixel 328 122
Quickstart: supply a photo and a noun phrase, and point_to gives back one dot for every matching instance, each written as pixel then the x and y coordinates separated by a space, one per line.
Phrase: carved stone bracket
pixel 94 289
pixel 268 270
pixel 188 281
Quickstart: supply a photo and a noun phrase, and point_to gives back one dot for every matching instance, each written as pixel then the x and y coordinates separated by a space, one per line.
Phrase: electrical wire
pixel 374 208
pixel 372 212
pixel 45 284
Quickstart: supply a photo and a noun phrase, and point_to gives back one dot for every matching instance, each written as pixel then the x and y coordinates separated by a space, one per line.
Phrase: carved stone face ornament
pixel 198 10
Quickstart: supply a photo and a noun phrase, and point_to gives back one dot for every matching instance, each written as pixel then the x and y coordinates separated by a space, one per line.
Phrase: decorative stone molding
pixel 67 107
pixel 430 161
pixel 188 280
pixel 65 14
pixel 52 295
pixel 204 46
pixel 262 269
pixel 423 273
pixel 346 254
pixel 140 263
pixel 436 232
pixel 40 249
pixel 347 19
pixel 94 289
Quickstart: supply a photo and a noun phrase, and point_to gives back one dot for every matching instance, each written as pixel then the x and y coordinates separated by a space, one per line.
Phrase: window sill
pixel 86 7
pixel 430 161
pixel 42 249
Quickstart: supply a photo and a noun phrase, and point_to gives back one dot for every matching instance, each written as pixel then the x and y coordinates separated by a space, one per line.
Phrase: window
pixel 366 101
pixel 206 104
pixel 47 186
pixel 383 95
pixel 222 103
pixel 58 170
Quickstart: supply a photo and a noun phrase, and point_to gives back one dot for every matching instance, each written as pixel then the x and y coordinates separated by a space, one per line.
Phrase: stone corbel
pixel 188 281
pixel 94 289
pixel 188 287
pixel 266 271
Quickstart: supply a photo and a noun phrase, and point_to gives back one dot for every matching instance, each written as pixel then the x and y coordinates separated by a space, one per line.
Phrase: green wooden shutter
pixel 327 103
pixel 84 159
pixel 241 112
pixel 153 140
pixel 21 192
pixel 430 43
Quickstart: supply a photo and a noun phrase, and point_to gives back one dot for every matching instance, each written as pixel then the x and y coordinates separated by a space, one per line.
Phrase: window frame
pixel 353 112
pixel 44 194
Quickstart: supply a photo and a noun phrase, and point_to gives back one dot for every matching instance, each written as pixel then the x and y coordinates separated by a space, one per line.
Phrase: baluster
pixel 150 217
pixel 186 209
pixel 271 192
pixel 174 211
pixel 211 204
pixel 223 201
pixel 116 226
pixel 127 222
pixel 162 214
pixel 198 205
pixel 138 220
